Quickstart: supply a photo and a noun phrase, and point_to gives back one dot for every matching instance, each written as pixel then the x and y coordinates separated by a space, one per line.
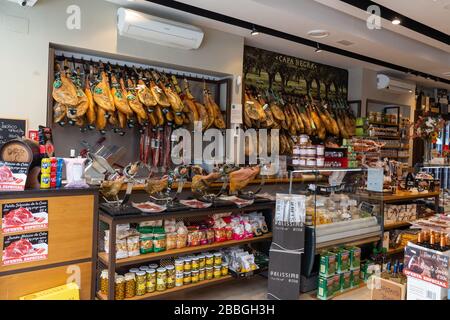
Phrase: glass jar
pixel 143 268
pixel 320 162
pixel 217 259
pixel 209 260
pixel 209 273
pixel 153 266
pixel 187 265
pixel 161 279
pixel 194 276
pixel 201 274
pixel 179 279
pixel 224 269
pixel 187 278
pixel 170 276
pixel 120 288
pixel 104 283
pixel 217 271
pixel 141 283
pixel 195 264
pixel 179 265
pixel 151 280
pixel 201 261
pixel 130 285
pixel 320 150
pixel 311 162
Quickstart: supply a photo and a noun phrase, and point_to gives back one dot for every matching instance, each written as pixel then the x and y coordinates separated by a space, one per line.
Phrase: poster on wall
pixel 266 70
pixel 24 216
pixel 23 248
pixel 13 176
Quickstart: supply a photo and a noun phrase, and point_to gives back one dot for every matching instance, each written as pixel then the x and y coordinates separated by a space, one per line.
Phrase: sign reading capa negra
pixel 219 147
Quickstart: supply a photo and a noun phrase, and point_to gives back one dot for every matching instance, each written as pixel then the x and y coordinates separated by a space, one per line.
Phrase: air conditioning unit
pixel 387 83
pixel 136 25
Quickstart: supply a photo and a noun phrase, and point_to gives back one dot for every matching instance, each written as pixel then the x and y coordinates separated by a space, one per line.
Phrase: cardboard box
pixel 421 290
pixel 69 291
pixel 384 289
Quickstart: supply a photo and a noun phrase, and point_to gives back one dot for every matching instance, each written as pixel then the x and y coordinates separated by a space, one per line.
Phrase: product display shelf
pixel 396 225
pixel 396 250
pixel 184 288
pixel 112 221
pixel 350 241
pixel 399 196
pixel 384 124
pixel 103 256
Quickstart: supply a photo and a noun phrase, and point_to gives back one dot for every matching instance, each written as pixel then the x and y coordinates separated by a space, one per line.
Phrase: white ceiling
pixel 433 13
pixel 343 21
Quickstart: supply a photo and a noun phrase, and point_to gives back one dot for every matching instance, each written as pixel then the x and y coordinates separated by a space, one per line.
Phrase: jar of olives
pixel 130 285
pixel 209 260
pixel 187 265
pixel 161 279
pixel 104 283
pixel 201 274
pixel 201 261
pixel 217 271
pixel 217 259
pixel 224 269
pixel 120 288
pixel 151 280
pixel 187 278
pixel 141 283
pixel 195 264
pixel 194 276
pixel 209 273
pixel 170 276
pixel 179 279
pixel 179 265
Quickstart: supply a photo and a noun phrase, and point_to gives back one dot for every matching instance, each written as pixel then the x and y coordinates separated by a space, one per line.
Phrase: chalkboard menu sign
pixel 12 129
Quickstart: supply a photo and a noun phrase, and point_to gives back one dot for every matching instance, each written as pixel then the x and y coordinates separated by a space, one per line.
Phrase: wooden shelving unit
pixel 396 225
pixel 351 241
pixel 103 256
pixel 184 288
pixel 396 250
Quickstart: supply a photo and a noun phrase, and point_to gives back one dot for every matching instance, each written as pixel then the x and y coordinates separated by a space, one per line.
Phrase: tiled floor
pixel 255 289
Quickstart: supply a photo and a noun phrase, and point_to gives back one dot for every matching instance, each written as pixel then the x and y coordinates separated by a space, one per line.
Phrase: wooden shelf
pixel 103 256
pixel 395 251
pixel 399 196
pixel 351 241
pixel 160 294
pixel 384 124
pixel 396 225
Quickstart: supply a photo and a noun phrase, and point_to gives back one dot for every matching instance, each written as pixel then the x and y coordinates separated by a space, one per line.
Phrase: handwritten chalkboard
pixel 12 129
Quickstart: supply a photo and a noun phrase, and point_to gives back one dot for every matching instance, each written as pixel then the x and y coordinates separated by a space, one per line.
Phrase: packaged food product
pixel 325 288
pixel 202 236
pixel 141 283
pixel 193 237
pixel 187 278
pixel 209 260
pixel 201 274
pixel 121 249
pixel 220 235
pixel 201 261
pixel 210 235
pixel 179 279
pixel 146 243
pixel 133 246
pixel 209 273
pixel 179 265
pixel 224 269
pixel 187 265
pixel 159 240
pixel 130 285
pixel 343 261
pixel 104 283
pixel 229 233
pixel 327 264
pixel 194 276
pixel 355 257
pixel 337 283
pixel 355 278
pixel 120 288
pixel 195 264
pixel 345 280
pixel 170 276
pixel 151 280
pixel 181 240
pixel 161 279
pixel 217 259
pixel 171 241
pixel 170 225
pixel 217 271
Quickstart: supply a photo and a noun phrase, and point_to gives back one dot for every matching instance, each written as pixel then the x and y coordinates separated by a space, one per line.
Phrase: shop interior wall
pixel 27 32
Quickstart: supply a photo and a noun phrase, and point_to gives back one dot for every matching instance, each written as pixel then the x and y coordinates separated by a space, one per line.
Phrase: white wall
pixel 24 55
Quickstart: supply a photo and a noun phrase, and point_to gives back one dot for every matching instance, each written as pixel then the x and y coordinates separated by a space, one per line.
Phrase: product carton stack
pixel 428 273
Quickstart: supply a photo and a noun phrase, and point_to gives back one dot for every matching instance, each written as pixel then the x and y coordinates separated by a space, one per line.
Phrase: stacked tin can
pixel 51 172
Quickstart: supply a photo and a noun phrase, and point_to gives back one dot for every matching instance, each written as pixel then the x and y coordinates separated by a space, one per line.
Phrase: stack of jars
pixel 307 155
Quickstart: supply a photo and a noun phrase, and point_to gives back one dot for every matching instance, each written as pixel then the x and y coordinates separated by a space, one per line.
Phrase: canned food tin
pixel 320 150
pixel 53 164
pixel 59 165
pixel 320 162
pixel 53 180
pixel 302 162
pixel 311 162
pixel 45 181
pixel 311 151
pixel 46 166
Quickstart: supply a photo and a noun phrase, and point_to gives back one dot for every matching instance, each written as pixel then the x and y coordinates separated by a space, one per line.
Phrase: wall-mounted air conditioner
pixel 136 25
pixel 387 83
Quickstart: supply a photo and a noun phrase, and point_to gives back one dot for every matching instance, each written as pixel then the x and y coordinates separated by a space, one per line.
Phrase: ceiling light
pixel 318 50
pixel 254 32
pixel 396 21
pixel 318 34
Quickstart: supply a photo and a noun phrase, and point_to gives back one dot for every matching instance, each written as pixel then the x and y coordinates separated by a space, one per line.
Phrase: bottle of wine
pixel 432 244
pixel 443 243
pixel 420 239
